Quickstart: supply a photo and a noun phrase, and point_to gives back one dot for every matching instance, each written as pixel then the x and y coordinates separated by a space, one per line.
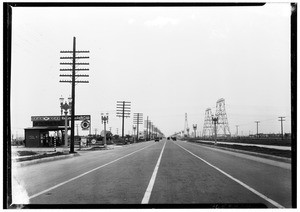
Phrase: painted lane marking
pixel 81 175
pixel 147 194
pixel 236 180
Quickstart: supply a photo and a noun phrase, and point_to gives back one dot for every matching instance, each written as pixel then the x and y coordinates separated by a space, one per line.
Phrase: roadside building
pixel 46 130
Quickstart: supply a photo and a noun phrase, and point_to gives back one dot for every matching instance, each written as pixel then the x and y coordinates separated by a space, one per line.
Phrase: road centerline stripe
pixel 236 180
pixel 148 192
pixel 85 173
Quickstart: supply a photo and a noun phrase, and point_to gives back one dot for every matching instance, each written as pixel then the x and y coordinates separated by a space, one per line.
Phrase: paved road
pixel 165 172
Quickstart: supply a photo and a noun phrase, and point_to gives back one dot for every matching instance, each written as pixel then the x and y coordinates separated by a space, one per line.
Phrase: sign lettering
pixel 59 118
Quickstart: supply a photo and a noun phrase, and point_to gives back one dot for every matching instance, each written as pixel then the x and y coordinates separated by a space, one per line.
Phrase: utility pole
pixel 153 130
pixel 137 120
pixel 123 110
pixel 237 130
pixel 147 129
pixel 215 121
pixel 186 126
pixel 257 127
pixel 134 127
pixel 73 80
pixel 281 120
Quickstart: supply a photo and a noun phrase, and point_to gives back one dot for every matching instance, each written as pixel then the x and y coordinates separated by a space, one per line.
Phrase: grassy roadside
pixel 274 152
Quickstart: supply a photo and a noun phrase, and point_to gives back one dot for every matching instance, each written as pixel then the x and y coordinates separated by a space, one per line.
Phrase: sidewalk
pixel 14 149
pixel 50 150
pixel 45 154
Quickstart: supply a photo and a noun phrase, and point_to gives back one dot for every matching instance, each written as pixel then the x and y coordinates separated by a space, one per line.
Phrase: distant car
pixel 156 139
pixel 168 138
pixel 174 138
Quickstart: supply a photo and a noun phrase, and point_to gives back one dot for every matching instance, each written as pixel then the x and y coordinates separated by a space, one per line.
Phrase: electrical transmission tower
pixel 186 126
pixel 72 72
pixel 208 125
pixel 222 118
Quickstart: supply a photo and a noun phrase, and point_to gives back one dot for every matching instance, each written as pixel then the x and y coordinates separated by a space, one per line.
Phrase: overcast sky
pixel 166 61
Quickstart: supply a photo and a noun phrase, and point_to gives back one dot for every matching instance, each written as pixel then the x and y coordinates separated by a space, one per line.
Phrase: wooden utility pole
pixel 147 134
pixel 123 110
pixel 137 119
pixel 257 128
pixel 281 120
pixel 73 80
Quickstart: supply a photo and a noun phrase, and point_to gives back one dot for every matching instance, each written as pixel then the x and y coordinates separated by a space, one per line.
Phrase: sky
pixel 166 61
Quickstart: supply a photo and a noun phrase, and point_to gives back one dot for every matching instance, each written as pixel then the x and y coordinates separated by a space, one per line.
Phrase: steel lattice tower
pixel 222 118
pixel 208 125
pixel 186 126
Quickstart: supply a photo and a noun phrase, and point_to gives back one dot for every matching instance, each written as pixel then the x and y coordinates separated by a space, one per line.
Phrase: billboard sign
pixel 59 118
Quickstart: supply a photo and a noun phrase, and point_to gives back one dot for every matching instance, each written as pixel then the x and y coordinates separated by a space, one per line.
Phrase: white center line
pixel 74 178
pixel 236 180
pixel 152 180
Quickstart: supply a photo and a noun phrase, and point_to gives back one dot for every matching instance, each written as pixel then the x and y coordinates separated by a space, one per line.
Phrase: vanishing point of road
pixel 165 172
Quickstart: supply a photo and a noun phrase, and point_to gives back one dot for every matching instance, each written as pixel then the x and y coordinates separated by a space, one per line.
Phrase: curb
pixel 271 157
pixel 42 160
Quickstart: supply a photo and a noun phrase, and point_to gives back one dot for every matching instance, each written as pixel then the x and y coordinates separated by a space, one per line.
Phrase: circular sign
pixel 93 141
pixel 85 124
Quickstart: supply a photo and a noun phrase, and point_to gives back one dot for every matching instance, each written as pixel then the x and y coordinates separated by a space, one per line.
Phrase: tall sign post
pixel 73 58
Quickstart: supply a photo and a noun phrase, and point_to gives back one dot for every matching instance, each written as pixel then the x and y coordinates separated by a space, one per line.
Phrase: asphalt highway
pixel 165 172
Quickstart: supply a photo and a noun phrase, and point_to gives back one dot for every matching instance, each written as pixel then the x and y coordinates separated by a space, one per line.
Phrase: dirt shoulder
pixel 251 149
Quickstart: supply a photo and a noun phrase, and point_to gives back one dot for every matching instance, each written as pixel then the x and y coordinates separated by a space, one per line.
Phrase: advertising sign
pixel 59 118
pixel 78 117
pixel 85 125
pixel 45 118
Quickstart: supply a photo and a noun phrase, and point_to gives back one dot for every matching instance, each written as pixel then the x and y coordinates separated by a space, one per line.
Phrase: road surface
pixel 165 172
